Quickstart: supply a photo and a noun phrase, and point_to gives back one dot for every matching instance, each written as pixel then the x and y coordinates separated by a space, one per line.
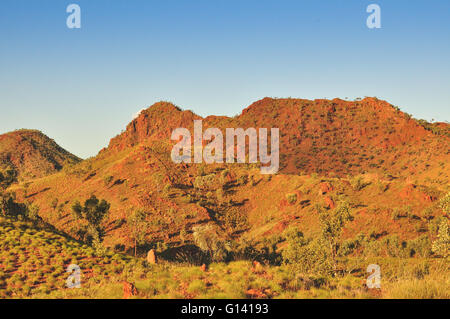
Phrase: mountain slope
pixel 328 137
pixel 367 152
pixel 31 154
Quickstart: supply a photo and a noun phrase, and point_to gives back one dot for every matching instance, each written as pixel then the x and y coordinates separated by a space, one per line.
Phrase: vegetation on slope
pixel 34 261
pixel 361 183
pixel 28 154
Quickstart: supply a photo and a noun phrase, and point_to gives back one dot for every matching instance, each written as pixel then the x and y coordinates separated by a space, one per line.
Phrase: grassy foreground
pixel 239 280
pixel 33 264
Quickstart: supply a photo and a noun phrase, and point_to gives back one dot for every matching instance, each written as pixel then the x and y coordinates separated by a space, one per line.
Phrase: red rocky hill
pixel 31 154
pixel 367 152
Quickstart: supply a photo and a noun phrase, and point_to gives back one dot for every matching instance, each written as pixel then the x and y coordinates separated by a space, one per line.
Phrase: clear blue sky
pixel 81 87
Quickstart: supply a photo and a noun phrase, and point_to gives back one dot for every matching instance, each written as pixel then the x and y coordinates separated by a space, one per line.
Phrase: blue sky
pixel 81 87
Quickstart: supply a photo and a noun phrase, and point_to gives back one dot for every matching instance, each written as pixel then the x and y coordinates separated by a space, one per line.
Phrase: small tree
pixel 7 177
pixel 94 210
pixel 306 255
pixel 9 206
pixel 441 246
pixel 137 225
pixel 332 225
pixel 96 240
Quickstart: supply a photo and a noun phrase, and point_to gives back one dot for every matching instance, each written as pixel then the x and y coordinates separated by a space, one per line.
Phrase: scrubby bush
pixel 396 214
pixel 444 203
pixel 395 247
pixel 7 177
pixel 305 255
pixel 433 225
pixel 348 247
pixel 9 207
pixel 382 187
pixel 234 219
pixel 32 213
pixel 358 183
pixel 183 235
pixel 207 238
pixel 332 224
pixel 421 246
pixel 291 198
pixel 420 270
pixel 220 194
pixel 441 246
pixel 243 180
pixel 108 179
pixel 206 182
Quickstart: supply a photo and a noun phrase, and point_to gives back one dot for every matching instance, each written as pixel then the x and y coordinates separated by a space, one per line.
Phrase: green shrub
pixel 206 182
pixel 421 246
pixel 234 219
pixel 303 255
pixel 395 247
pixel 207 238
pixel 358 183
pixel 94 210
pixel 444 203
pixel 441 246
pixel 108 179
pixel 291 198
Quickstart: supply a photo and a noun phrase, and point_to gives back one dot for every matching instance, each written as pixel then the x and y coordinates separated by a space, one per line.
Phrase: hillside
pixel 34 263
pixel 365 152
pixel 34 260
pixel 386 170
pixel 29 154
pixel 327 137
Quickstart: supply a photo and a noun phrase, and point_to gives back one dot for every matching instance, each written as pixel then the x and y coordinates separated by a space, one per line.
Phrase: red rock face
pixel 155 123
pixel 329 202
pixel 411 192
pixel 322 136
pixel 129 290
pixel 326 188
